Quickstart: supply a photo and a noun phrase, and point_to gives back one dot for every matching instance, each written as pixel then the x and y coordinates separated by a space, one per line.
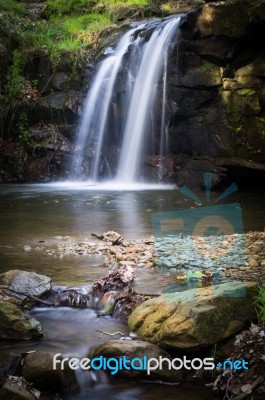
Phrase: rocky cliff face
pixel 216 91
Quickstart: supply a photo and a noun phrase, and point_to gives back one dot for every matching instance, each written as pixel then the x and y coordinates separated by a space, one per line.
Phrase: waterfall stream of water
pixel 137 64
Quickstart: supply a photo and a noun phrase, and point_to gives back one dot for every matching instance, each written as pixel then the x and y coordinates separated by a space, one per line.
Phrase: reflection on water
pixel 35 215
pixel 42 211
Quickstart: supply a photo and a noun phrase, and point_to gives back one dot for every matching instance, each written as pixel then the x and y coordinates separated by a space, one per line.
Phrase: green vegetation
pixel 22 128
pixel 123 3
pixel 14 84
pixel 12 7
pixel 260 304
pixel 72 27
pixel 69 6
pixel 61 27
pixel 65 34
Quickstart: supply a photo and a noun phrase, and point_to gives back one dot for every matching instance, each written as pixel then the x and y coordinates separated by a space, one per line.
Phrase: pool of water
pixel 41 215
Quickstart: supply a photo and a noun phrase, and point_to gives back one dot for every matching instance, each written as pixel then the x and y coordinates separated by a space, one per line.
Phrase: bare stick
pixel 109 334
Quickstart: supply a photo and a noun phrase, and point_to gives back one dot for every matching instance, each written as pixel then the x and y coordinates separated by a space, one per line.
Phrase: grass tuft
pixel 260 304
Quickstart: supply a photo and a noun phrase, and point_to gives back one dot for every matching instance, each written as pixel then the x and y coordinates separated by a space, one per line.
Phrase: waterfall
pixel 163 131
pixel 97 103
pixel 121 119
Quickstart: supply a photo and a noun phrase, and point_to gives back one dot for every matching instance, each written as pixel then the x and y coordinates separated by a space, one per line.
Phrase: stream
pixel 42 216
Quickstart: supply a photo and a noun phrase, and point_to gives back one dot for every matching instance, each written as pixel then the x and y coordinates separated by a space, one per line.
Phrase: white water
pixel 163 131
pixel 143 62
pixel 96 108
pixel 105 186
pixel 143 99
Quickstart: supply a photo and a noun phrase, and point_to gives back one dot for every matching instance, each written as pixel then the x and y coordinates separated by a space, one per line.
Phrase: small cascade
pixel 121 106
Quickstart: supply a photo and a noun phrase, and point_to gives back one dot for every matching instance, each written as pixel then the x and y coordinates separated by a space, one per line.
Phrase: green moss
pixel 261 119
pixel 207 66
pixel 243 101
pixel 210 69
pixel 245 92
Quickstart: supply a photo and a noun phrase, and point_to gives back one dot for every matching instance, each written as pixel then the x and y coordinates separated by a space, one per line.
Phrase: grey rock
pixel 60 81
pixel 28 283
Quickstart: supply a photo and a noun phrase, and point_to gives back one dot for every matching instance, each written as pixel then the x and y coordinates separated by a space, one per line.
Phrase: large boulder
pixel 195 318
pixel 10 364
pixel 26 283
pixel 17 325
pixel 137 349
pixel 38 370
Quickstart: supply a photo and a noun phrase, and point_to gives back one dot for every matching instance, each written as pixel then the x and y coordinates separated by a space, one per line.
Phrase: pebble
pixel 253 263
pixel 177 254
pixel 27 248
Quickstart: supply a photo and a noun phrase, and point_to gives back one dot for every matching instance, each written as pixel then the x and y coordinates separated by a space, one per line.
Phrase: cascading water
pixel 97 103
pixel 119 107
pixel 163 130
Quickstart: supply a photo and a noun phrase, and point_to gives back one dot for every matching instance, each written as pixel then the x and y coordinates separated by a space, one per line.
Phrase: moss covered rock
pixel 195 318
pixel 16 324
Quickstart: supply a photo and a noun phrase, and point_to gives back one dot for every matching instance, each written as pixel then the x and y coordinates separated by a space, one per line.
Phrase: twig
pixel 109 334
pixel 259 381
pixel 31 296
